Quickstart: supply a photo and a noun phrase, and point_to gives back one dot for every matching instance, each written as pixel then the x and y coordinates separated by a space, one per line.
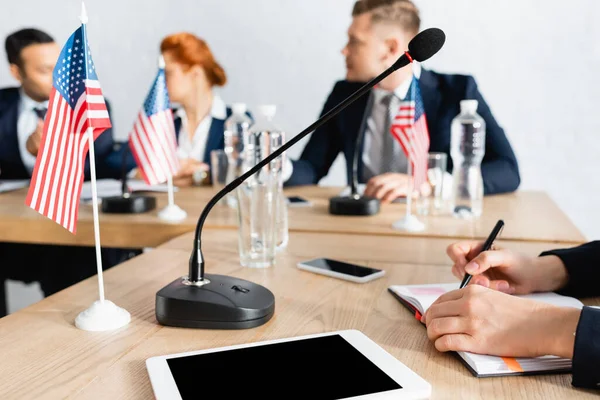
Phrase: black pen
pixel 486 246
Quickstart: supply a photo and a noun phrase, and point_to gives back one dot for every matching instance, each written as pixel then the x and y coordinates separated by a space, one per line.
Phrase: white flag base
pixel 409 223
pixel 172 213
pixel 102 316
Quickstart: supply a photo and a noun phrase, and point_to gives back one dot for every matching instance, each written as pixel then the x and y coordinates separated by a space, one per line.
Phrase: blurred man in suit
pixel 32 55
pixel 378 36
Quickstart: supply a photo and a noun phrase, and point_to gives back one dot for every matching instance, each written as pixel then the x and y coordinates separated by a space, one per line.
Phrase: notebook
pixel 418 298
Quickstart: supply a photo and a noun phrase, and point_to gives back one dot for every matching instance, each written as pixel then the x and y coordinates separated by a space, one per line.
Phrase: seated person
pixel 484 318
pixel 378 36
pixel 192 72
pixel 32 55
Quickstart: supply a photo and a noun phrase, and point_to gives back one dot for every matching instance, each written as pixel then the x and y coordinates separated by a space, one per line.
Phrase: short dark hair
pixel 403 13
pixel 17 41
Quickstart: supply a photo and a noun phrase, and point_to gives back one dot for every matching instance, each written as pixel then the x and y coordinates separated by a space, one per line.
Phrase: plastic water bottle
pixel 265 124
pixel 236 126
pixel 467 149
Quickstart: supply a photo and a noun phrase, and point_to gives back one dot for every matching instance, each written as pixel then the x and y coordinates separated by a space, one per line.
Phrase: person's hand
pixel 33 141
pixel 387 187
pixel 484 321
pixel 507 271
pixel 184 177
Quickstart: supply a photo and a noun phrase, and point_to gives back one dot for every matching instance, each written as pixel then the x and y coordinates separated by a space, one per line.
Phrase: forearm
pixel 558 326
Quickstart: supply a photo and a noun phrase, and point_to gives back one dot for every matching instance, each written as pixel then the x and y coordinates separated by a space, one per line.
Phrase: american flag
pixel 76 105
pixel 410 129
pixel 152 140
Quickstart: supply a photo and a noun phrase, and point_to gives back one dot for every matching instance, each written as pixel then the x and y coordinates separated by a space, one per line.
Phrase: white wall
pixel 536 63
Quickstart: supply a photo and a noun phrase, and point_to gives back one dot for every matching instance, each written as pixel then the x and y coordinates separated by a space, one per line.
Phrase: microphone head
pixel 426 44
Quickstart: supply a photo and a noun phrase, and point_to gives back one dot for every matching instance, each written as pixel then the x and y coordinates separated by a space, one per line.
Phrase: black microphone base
pixel 134 204
pixel 223 303
pixel 350 205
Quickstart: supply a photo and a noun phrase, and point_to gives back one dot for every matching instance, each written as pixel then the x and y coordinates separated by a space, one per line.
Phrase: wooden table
pixel 45 356
pixel 529 216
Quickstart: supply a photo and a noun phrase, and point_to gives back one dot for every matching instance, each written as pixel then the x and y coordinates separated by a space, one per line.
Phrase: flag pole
pixel 172 212
pixel 103 314
pixel 90 135
pixel 409 190
pixel 170 191
pixel 410 222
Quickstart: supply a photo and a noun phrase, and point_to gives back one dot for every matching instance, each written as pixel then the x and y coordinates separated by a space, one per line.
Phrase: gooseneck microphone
pixel 420 48
pixel 127 202
pixel 212 301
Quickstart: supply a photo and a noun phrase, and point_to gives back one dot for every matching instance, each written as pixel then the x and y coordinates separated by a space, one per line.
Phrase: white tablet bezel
pixel 413 386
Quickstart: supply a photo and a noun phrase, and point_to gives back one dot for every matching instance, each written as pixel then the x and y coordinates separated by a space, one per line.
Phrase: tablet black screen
pixel 325 368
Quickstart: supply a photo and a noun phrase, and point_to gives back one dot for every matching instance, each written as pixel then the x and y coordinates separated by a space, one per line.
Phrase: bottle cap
pixel 268 110
pixel 469 106
pixel 238 108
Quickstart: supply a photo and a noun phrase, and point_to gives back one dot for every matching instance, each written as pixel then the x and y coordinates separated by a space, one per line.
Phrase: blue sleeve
pixel 320 152
pixel 586 353
pixel 499 168
pixel 103 147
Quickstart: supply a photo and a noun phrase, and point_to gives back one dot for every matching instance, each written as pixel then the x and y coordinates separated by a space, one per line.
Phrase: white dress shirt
pixel 26 124
pixel 376 128
pixel 196 146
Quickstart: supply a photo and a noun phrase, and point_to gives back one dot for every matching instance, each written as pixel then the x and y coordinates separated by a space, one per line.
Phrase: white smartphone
pixel 297 201
pixel 341 270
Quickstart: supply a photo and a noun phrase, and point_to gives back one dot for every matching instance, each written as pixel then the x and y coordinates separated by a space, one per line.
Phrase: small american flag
pixel 410 129
pixel 152 140
pixel 76 105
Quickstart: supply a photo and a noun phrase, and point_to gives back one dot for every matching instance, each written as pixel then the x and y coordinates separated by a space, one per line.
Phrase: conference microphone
pixel 213 301
pixel 420 48
pixel 127 202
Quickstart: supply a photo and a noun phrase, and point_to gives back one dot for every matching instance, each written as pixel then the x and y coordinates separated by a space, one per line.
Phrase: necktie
pixel 391 160
pixel 40 111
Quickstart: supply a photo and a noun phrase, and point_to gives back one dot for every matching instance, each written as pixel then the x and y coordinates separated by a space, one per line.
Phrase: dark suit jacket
pixel 11 164
pixel 441 95
pixel 583 265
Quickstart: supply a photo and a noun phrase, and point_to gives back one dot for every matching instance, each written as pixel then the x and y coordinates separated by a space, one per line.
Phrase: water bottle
pixel 276 137
pixel 467 149
pixel 236 126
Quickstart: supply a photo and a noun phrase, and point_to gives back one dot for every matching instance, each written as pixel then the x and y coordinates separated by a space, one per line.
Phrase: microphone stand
pixel 213 301
pixel 127 202
pixel 355 204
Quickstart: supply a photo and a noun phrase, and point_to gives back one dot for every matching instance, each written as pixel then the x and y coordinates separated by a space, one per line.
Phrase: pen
pixel 486 246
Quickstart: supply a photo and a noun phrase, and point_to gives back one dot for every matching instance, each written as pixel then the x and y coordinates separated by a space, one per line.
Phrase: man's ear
pixel 15 71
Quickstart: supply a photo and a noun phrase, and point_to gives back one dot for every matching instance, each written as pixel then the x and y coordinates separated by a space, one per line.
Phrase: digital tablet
pixel 334 365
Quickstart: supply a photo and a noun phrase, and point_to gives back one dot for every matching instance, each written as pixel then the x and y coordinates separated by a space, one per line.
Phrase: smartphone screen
pixel 297 200
pixel 341 267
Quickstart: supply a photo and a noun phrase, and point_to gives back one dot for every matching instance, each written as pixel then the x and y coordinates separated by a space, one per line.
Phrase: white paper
pixel 11 185
pixel 112 187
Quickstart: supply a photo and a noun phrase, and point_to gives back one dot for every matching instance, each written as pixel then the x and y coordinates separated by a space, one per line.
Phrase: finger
pixel 446 326
pixel 444 309
pixel 455 342
pixel 459 252
pixel 481 280
pixel 392 195
pixel 486 260
pixel 385 188
pixel 371 184
pixel 501 286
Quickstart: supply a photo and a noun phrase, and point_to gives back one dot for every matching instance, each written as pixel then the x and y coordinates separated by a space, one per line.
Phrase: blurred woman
pixel 192 73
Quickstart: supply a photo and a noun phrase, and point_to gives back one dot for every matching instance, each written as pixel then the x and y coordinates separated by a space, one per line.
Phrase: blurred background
pixel 536 64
